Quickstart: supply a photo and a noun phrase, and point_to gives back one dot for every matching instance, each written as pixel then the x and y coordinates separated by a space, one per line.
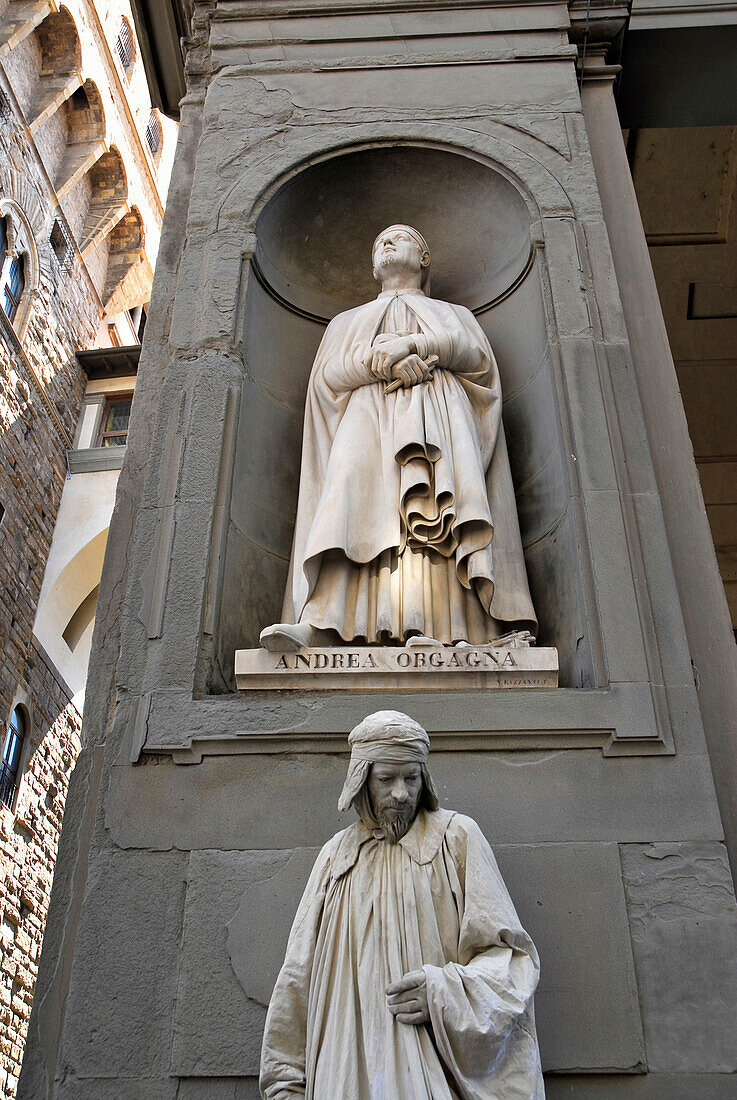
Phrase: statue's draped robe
pixel 406 520
pixel 373 912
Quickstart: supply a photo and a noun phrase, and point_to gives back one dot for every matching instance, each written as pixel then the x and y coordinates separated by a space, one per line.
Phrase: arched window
pixel 12 757
pixel 154 135
pixel 14 282
pixel 18 264
pixel 125 45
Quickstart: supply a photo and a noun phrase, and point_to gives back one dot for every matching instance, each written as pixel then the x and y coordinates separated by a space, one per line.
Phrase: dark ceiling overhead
pixel 160 26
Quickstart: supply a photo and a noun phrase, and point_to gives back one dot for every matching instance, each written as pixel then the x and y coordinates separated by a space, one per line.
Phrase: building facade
pixel 84 163
pixel 195 810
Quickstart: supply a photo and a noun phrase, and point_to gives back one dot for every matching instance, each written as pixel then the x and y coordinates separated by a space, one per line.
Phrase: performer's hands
pixel 407 999
pixel 386 350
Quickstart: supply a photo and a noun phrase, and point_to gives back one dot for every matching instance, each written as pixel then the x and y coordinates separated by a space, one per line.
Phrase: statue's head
pixel 388 780
pixel 400 248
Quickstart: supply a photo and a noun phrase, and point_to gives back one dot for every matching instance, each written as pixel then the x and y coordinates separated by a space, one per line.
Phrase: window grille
pixel 15 282
pixel 125 45
pixel 60 244
pixel 154 134
pixel 115 420
pixel 12 754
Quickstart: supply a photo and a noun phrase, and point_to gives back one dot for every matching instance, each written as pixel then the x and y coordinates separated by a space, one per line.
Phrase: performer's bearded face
pixel 394 793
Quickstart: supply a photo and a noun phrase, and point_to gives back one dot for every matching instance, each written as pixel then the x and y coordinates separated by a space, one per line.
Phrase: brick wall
pixel 64 315
pixel 51 142
pixel 23 68
pixel 75 205
pixel 28 842
pixel 32 472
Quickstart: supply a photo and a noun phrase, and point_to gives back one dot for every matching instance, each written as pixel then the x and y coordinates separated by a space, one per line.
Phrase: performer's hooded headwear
pixel 390 737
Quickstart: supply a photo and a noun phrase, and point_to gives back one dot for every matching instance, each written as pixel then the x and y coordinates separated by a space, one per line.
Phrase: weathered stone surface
pixel 123 987
pixel 652 1086
pixel 684 936
pixel 216 1029
pixel 585 559
pixel 222 1088
pixel 258 931
pixel 122 1088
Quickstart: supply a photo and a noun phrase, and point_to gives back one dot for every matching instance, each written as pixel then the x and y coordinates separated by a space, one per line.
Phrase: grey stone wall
pixel 195 812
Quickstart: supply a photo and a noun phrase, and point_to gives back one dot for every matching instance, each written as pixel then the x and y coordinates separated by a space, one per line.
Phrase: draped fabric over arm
pixel 481 1005
pixel 373 912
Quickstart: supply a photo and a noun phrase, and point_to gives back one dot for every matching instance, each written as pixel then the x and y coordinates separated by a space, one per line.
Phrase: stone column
pixel 708 626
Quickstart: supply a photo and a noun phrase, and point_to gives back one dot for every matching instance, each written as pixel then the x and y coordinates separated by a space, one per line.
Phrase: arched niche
pixel 108 192
pixel 125 249
pixel 85 138
pixel 312 260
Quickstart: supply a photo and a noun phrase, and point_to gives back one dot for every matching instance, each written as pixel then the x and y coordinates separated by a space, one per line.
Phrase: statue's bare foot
pixel 286 637
pixel 421 641
pixel 516 639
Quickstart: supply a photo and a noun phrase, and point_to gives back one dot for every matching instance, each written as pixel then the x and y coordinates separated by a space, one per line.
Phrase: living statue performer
pixel 406 521
pixel 407 974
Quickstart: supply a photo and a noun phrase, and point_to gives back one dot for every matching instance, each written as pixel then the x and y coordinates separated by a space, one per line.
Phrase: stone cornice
pixel 160 27
pixel 597 21
pixel 294 9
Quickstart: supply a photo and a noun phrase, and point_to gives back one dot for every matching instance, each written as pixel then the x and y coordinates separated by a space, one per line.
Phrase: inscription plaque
pixel 411 668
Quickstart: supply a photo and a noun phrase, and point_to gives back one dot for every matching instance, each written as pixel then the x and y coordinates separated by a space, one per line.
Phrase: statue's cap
pixel 414 234
pixel 389 736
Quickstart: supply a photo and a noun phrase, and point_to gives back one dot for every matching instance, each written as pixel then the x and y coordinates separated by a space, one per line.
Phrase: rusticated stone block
pixel 684 922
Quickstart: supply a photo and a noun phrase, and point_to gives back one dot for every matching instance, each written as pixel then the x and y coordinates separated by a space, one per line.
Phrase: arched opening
pixel 19 268
pixel 108 186
pixel 68 600
pixel 129 274
pixel 60 65
pixel 85 141
pixel 312 260
pixel 125 246
pixel 81 620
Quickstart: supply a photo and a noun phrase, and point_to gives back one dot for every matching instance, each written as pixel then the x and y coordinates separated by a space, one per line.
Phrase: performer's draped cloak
pixel 406 520
pixel 373 912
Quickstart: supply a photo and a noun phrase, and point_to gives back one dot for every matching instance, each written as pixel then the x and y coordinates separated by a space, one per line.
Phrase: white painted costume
pixel 373 912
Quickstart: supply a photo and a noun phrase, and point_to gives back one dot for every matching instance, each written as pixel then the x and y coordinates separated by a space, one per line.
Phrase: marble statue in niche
pixel 406 528
pixel 407 973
